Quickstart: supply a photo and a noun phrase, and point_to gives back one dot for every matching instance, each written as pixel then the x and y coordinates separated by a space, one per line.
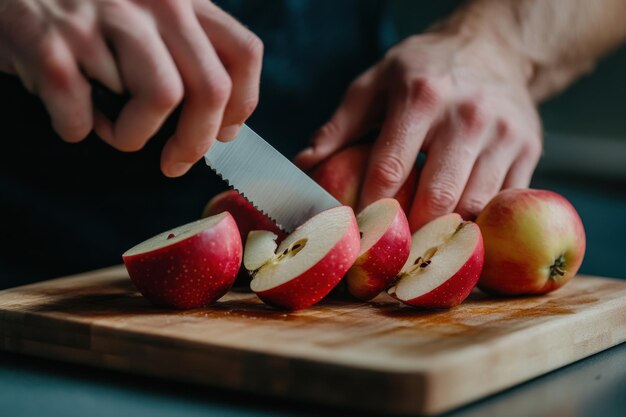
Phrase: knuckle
pixel 167 94
pixel 423 93
pixel 248 106
pixel 440 199
pixel 329 129
pixel 534 150
pixel 253 47
pixel 389 171
pixel 216 85
pixel 54 69
pixel 503 129
pixel 472 116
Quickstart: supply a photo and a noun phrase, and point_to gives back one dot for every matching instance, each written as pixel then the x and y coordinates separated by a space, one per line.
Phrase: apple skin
pixel 247 217
pixel 380 265
pixel 525 231
pixel 342 176
pixel 191 273
pixel 458 287
pixel 314 284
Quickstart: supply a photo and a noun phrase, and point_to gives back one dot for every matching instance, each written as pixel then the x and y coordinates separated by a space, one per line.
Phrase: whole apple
pixel 534 242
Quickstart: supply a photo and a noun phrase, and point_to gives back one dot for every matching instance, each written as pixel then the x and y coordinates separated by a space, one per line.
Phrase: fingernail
pixel 178 169
pixel 228 132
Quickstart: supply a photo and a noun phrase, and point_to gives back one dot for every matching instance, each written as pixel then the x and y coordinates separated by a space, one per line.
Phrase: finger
pixel 351 119
pixel 521 172
pixel 149 74
pixel 241 52
pixel 207 89
pixel 412 113
pixel 449 162
pixel 488 174
pixel 62 88
pixel 81 31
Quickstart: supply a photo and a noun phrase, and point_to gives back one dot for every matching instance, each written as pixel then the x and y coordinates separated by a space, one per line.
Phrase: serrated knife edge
pixel 268 180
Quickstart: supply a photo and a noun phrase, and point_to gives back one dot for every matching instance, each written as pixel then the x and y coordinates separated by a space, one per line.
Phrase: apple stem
pixel 558 267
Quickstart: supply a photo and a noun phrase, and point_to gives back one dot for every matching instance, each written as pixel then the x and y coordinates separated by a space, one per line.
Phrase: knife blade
pixel 268 180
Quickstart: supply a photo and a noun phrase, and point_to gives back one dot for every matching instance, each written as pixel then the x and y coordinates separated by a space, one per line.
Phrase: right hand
pixel 159 51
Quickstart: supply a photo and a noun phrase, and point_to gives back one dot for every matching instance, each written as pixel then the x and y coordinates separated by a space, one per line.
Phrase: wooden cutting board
pixel 377 356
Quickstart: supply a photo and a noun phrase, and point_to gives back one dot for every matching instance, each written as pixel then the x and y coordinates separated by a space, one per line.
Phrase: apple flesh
pixel 534 242
pixel 247 218
pixel 444 265
pixel 190 266
pixel 342 176
pixel 385 246
pixel 308 263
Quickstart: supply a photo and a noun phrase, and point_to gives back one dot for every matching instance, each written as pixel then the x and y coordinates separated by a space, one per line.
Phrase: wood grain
pixel 376 356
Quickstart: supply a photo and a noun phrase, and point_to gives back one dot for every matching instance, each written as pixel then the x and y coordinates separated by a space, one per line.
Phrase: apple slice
pixel 385 247
pixel 445 263
pixel 260 248
pixel 308 264
pixel 190 266
pixel 247 217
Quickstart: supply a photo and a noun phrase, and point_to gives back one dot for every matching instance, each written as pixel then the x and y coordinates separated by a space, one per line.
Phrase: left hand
pixel 462 101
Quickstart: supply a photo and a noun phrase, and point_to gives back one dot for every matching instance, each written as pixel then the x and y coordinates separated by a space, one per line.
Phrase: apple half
pixel 247 218
pixel 444 265
pixel 190 266
pixel 307 264
pixel 385 247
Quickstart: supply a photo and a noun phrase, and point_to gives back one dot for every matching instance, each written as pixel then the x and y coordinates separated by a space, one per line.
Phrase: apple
pixel 534 242
pixel 247 218
pixel 190 266
pixel 342 176
pixel 444 265
pixel 385 246
pixel 245 214
pixel 307 264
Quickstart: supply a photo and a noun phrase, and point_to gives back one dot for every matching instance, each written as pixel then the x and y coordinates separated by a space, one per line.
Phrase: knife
pixel 250 165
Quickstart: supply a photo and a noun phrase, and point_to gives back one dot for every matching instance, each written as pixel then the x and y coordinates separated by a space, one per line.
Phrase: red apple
pixel 247 218
pixel 190 266
pixel 342 176
pixel 308 264
pixel 444 265
pixel 385 246
pixel 534 242
pixel 245 214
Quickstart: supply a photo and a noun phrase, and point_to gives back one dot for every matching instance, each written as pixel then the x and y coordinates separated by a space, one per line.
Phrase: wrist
pixel 489 37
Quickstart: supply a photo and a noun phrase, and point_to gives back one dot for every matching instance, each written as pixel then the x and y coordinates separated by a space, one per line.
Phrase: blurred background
pixel 69 208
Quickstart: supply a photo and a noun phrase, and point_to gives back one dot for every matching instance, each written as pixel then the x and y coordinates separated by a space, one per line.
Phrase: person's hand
pixel 158 51
pixel 462 101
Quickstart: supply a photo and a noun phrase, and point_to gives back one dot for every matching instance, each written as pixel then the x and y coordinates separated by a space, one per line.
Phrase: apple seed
pixel 170 236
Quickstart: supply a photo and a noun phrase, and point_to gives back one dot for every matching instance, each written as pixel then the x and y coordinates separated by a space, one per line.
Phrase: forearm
pixel 552 42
